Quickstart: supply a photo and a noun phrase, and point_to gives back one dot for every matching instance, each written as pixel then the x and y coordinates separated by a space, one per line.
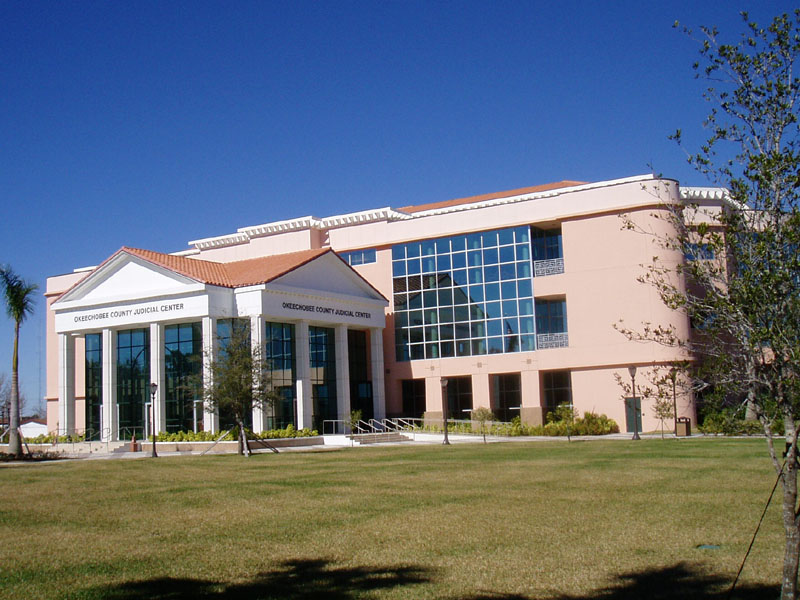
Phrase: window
pixel 183 364
pixel 94 385
pixel 548 251
pixel 133 381
pixel 459 397
pixel 322 350
pixel 551 324
pixel 698 252
pixel 359 257
pixel 556 389
pixel 447 291
pixel 360 386
pixel 414 398
pixel 506 397
pixel 225 331
pixel 280 356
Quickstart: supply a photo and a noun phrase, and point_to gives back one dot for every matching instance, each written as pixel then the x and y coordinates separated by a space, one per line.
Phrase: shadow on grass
pixel 293 580
pixel 316 579
pixel 679 581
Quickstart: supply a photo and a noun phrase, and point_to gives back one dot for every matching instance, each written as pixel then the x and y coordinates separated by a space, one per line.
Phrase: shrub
pixel 728 422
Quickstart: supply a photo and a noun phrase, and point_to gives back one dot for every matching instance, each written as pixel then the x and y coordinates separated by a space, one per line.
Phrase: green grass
pixel 512 520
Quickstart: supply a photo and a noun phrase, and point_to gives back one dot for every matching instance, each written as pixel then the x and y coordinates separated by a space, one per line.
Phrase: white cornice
pixel 704 193
pixel 389 214
pixel 533 196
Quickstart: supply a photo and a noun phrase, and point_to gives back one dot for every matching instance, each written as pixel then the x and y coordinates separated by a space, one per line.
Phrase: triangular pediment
pixel 125 276
pixel 328 274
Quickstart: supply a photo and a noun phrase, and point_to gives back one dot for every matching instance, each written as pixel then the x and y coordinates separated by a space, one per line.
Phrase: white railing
pixel 552 340
pixel 551 266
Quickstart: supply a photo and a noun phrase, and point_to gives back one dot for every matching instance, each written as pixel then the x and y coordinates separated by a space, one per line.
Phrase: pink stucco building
pixel 510 297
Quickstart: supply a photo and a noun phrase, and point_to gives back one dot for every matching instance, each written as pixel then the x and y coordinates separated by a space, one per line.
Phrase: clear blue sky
pixel 150 124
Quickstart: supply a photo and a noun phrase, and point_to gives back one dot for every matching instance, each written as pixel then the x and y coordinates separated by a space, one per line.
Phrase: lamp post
pixel 446 441
pixel 153 388
pixel 632 371
pixel 673 375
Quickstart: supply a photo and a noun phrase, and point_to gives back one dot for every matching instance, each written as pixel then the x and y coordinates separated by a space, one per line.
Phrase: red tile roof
pixel 473 199
pixel 233 274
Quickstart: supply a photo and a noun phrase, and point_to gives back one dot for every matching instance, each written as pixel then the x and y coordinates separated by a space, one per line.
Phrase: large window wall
pixel 280 356
pixel 133 380
pixel 183 364
pixel 322 348
pixel 464 295
pixel 94 385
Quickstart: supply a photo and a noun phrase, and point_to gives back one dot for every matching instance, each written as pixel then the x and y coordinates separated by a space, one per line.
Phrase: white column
pixel 257 348
pixel 378 383
pixel 210 348
pixel 109 426
pixel 157 375
pixel 66 384
pixel 342 373
pixel 303 366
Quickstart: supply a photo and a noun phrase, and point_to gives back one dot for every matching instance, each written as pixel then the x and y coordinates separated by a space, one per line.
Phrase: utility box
pixel 684 427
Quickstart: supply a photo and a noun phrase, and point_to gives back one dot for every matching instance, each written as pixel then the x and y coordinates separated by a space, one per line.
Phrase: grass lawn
pixel 604 519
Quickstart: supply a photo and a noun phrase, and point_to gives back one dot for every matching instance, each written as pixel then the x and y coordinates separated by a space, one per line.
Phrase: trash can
pixel 684 427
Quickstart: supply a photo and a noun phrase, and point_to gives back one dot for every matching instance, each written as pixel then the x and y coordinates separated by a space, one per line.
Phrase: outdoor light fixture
pixel 673 374
pixel 446 441
pixel 632 371
pixel 153 388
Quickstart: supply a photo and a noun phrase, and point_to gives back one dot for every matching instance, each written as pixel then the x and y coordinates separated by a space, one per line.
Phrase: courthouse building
pixel 506 300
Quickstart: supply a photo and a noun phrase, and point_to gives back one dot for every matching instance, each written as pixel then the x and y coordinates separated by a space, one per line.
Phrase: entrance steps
pixel 364 439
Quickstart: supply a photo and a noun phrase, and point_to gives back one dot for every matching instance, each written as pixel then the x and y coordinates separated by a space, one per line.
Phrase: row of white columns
pixel 304 404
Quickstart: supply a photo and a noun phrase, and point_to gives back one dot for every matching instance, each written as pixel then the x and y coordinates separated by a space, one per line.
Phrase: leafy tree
pixel 740 282
pixel 481 415
pixel 19 297
pixel 240 379
pixel 563 413
pixel 355 419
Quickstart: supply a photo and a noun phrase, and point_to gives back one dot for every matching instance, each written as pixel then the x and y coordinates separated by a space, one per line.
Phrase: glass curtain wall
pixel 183 366
pixel 464 295
pixel 133 381
pixel 322 350
pixel 280 356
pixel 94 385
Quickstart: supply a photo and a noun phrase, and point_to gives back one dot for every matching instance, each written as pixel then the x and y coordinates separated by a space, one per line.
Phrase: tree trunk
pixel 14 441
pixel 244 447
pixel 791 554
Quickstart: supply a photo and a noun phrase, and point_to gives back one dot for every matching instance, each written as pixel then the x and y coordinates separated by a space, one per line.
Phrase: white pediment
pixel 327 275
pixel 124 277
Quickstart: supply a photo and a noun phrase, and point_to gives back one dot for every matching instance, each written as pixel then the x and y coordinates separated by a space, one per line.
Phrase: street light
pixel 153 388
pixel 446 441
pixel 673 374
pixel 632 371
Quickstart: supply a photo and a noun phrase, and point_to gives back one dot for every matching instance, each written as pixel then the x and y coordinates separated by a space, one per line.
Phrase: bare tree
pixel 740 282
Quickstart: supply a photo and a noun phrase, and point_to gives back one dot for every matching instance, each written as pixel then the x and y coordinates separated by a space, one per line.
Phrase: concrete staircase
pixel 364 439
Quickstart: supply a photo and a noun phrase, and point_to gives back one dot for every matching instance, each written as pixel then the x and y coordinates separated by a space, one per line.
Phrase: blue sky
pixel 149 124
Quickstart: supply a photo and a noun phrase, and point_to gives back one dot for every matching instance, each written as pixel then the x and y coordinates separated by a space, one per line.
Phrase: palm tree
pixel 19 296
